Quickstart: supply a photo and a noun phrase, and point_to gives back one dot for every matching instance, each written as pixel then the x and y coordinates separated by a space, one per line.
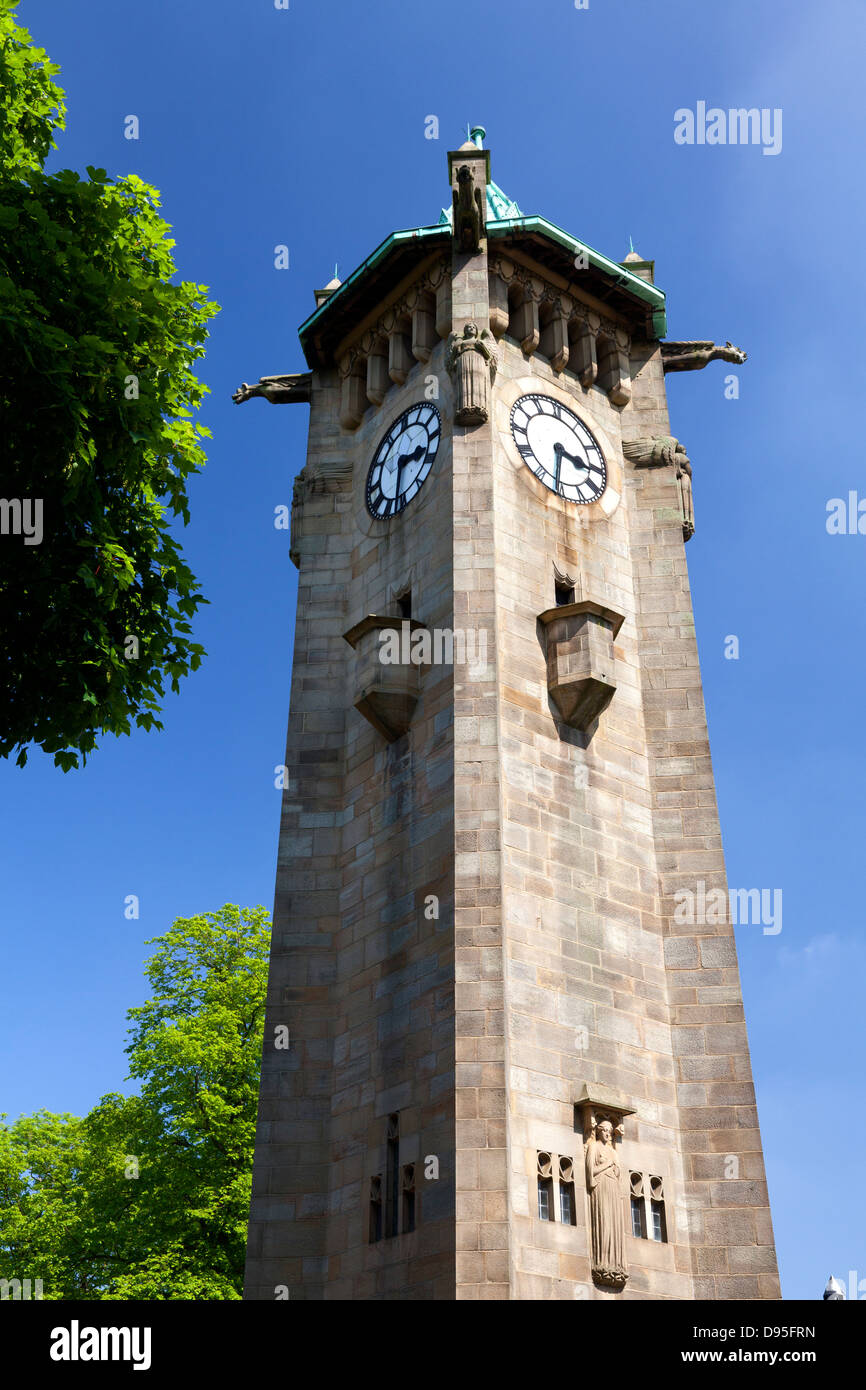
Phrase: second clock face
pixel 403 460
pixel 559 448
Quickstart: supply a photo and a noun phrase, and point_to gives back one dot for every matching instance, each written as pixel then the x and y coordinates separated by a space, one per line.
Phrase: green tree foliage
pixel 147 1197
pixel 97 397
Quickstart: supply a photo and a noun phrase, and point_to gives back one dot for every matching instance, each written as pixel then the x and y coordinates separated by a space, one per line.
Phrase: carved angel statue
pixel 691 356
pixel 472 361
pixel 604 1184
pixel 279 390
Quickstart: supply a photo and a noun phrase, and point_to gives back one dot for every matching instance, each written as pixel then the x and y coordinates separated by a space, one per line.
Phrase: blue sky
pixel 306 127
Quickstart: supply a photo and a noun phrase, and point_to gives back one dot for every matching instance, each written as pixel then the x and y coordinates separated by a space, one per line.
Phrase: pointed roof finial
pixel 630 247
pixel 477 134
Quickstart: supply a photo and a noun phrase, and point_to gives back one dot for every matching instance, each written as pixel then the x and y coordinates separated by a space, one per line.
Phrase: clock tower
pixel 504 1054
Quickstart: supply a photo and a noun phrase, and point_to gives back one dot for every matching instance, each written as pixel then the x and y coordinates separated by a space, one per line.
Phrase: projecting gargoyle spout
pixel 279 390
pixel 691 356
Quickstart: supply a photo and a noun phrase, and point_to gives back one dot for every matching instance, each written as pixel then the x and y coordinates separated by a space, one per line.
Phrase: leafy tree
pixel 97 397
pixel 147 1197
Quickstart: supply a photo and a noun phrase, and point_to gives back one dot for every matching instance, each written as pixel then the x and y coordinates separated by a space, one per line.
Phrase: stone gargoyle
pixel 279 390
pixel 691 356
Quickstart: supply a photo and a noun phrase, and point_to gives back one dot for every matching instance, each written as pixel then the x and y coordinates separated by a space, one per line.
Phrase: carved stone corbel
pixel 377 373
pixel 472 361
pixel 400 359
pixel 614 376
pixel 443 307
pixel 423 328
pixel 353 396
pixel 553 341
pixel 582 353
pixel 498 299
pixel 619 391
pixel 523 318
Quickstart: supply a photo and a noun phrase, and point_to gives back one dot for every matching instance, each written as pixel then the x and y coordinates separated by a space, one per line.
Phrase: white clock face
pixel 558 448
pixel 403 460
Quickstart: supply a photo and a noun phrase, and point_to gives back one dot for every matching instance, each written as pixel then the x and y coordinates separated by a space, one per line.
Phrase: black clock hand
pixel 415 455
pixel 562 453
pixel 418 452
pixel 558 452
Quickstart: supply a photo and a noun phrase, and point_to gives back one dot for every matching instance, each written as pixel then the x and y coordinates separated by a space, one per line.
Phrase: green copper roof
pixel 500 208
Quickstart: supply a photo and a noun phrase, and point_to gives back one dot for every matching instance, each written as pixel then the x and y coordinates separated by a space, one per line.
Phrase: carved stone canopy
pixel 385 692
pixel 581 664
pixel 596 1103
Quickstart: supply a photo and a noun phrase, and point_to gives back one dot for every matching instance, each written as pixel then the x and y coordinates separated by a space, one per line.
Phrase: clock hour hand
pixel 563 453
pixel 417 453
pixel 560 452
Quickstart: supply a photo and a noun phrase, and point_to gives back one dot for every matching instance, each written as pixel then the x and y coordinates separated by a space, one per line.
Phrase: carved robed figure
pixel 604 1184
pixel 472 362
